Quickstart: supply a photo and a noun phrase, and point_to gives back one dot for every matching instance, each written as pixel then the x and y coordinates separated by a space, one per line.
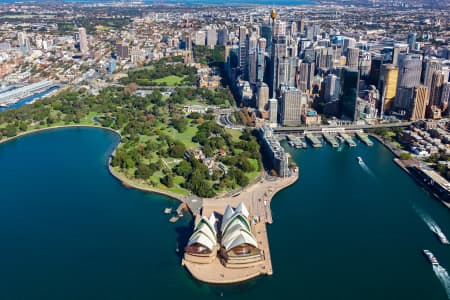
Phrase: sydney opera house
pixel 234 244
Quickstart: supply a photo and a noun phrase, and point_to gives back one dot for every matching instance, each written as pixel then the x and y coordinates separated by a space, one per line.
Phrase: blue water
pixel 68 230
pixel 27 100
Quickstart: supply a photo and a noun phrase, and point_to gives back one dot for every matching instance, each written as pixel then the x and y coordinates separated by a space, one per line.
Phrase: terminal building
pixel 279 159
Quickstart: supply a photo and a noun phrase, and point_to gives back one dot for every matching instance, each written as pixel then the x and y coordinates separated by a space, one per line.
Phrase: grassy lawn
pixel 185 137
pixel 254 174
pixel 169 80
pixel 235 134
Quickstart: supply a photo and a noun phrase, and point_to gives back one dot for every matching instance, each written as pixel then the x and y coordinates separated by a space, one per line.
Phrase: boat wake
pixel 432 225
pixel 366 169
pixel 443 277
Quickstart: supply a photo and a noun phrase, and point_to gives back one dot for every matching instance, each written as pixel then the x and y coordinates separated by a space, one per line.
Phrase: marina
pixel 348 139
pixel 331 140
pixel 364 138
pixel 13 102
pixel 296 142
pixel 315 142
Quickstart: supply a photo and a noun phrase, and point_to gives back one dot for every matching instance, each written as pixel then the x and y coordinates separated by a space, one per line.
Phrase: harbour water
pixel 29 99
pixel 69 230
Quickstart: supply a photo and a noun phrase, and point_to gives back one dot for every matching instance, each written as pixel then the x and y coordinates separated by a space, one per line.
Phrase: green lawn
pixel 169 80
pixel 256 173
pixel 235 134
pixel 185 137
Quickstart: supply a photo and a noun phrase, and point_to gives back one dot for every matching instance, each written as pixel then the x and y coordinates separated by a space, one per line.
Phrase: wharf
pixel 364 138
pixel 257 199
pixel 331 140
pixel 297 143
pixel 348 139
pixel 316 143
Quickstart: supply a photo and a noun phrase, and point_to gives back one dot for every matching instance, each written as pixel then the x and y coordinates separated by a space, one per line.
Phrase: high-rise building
pixel 83 40
pixel 278 55
pixel 222 37
pixel 410 67
pixel 429 66
pixel 365 60
pixel 419 103
pixel 200 38
pixel 122 50
pixel 262 44
pixel 292 103
pixel 436 88
pixel 261 66
pixel 352 58
pixel 301 26
pixel 375 70
pixel 348 43
pixel 349 93
pixel 279 28
pixel 305 76
pixel 412 37
pixel 332 86
pixel 262 98
pixel 445 98
pixel 211 38
pixel 21 36
pixel 266 32
pixel 243 47
pixel 388 86
pixel 273 111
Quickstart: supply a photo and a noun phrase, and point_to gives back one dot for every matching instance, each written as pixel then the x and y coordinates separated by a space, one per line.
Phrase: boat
pixel 360 160
pixel 430 257
pixel 440 234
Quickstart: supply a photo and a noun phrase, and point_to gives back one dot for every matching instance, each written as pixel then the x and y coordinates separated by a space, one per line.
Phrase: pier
pixel 348 139
pixel 296 142
pixel 257 199
pixel 316 143
pixel 331 140
pixel 364 138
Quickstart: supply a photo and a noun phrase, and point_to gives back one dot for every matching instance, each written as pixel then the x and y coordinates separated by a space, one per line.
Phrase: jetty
pixel 315 142
pixel 296 142
pixel 348 139
pixel 364 138
pixel 257 199
pixel 331 140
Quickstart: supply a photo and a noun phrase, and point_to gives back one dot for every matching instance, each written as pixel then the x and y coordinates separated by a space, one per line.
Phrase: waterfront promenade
pixel 257 199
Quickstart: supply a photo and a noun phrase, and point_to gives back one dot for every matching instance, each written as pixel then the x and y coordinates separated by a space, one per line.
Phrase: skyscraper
pixel 211 38
pixel 278 55
pixel 409 71
pixel 262 98
pixel 83 40
pixel 305 76
pixel 349 93
pixel 266 32
pixel 273 111
pixel 331 88
pixel 388 86
pixel 419 103
pixel 430 65
pixel 279 28
pixel 436 88
pixel 291 106
pixel 352 58
pixel 222 37
pixel 200 38
pixel 243 47
pixel 412 36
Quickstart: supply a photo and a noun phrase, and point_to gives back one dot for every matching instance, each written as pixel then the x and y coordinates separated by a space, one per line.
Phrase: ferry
pixel 440 234
pixel 360 160
pixel 430 257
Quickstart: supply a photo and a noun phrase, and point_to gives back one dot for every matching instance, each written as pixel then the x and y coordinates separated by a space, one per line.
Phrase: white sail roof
pixel 208 223
pixel 237 217
pixel 202 239
pixel 229 212
pixel 242 209
pixel 238 238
